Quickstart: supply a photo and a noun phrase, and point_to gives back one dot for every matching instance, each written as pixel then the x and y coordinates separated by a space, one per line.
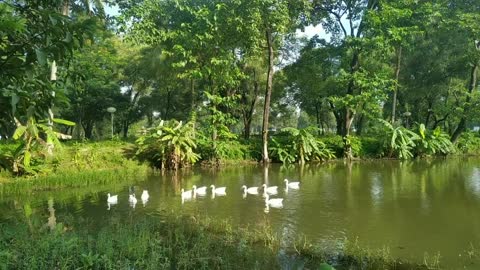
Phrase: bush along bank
pixel 173 145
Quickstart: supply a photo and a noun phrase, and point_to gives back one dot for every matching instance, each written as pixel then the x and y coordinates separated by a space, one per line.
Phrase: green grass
pixel 173 242
pixel 176 242
pixel 80 183
pixel 80 165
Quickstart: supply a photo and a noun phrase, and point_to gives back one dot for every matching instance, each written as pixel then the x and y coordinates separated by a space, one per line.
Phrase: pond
pixel 417 209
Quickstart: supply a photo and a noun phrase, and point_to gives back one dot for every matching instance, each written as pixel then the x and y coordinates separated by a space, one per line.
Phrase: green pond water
pixel 416 209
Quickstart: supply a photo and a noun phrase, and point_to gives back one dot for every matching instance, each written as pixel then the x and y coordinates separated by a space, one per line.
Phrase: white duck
pixel 292 185
pixel 220 191
pixel 112 199
pixel 186 194
pixel 145 196
pixel 275 203
pixel 250 190
pixel 202 191
pixel 133 200
pixel 273 190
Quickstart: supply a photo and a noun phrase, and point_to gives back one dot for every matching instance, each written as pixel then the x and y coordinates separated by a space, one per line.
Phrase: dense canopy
pixel 237 68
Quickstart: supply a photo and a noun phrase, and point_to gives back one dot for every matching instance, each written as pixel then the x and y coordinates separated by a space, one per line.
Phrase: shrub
pixel 399 140
pixel 356 144
pixel 469 143
pixel 300 145
pixel 433 142
pixel 223 149
pixel 335 143
pixel 170 145
pixel 371 147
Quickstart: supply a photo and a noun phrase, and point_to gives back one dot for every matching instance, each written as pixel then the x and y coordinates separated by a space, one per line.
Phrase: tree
pixel 35 35
pixel 466 18
pixel 347 22
pixel 94 83
pixel 312 80
pixel 277 19
pixel 395 24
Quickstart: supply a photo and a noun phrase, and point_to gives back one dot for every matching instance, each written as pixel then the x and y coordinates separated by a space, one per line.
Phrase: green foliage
pixel 334 142
pixel 170 145
pixel 172 242
pixel 371 147
pixel 33 137
pixel 77 165
pixel 433 142
pixel 399 141
pixel 217 141
pixel 6 158
pixel 300 145
pixel 224 149
pixel 93 85
pixel 469 143
pixel 33 37
pixel 356 145
pixel 219 118
pixel 253 148
pixel 280 150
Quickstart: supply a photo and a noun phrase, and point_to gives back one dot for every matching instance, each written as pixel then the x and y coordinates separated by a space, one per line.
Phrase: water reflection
pixel 473 182
pixel 52 220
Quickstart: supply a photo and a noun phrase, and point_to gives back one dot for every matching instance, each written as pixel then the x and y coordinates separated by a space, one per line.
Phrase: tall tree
pixel 465 20
pixel 277 19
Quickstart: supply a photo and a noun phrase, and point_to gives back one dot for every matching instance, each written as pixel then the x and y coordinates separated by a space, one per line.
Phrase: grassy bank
pixel 172 242
pixel 78 165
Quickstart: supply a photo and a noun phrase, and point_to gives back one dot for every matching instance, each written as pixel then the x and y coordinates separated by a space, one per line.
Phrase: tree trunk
pixel 338 119
pixel 167 107
pixel 88 128
pixel 192 93
pixel 125 129
pixel 317 116
pixel 53 78
pixel 268 93
pixel 463 121
pixel 349 114
pixel 149 119
pixel 395 90
pixel 248 112
pixel 360 123
pixel 429 113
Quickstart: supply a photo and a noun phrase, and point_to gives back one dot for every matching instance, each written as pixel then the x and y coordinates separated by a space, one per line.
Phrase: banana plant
pixel 433 142
pixel 170 145
pixel 33 137
pixel 301 146
pixel 282 151
pixel 400 140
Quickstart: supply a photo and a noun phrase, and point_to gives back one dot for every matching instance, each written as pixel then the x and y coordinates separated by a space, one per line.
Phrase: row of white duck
pixel 132 199
pixel 216 191
pixel 221 191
